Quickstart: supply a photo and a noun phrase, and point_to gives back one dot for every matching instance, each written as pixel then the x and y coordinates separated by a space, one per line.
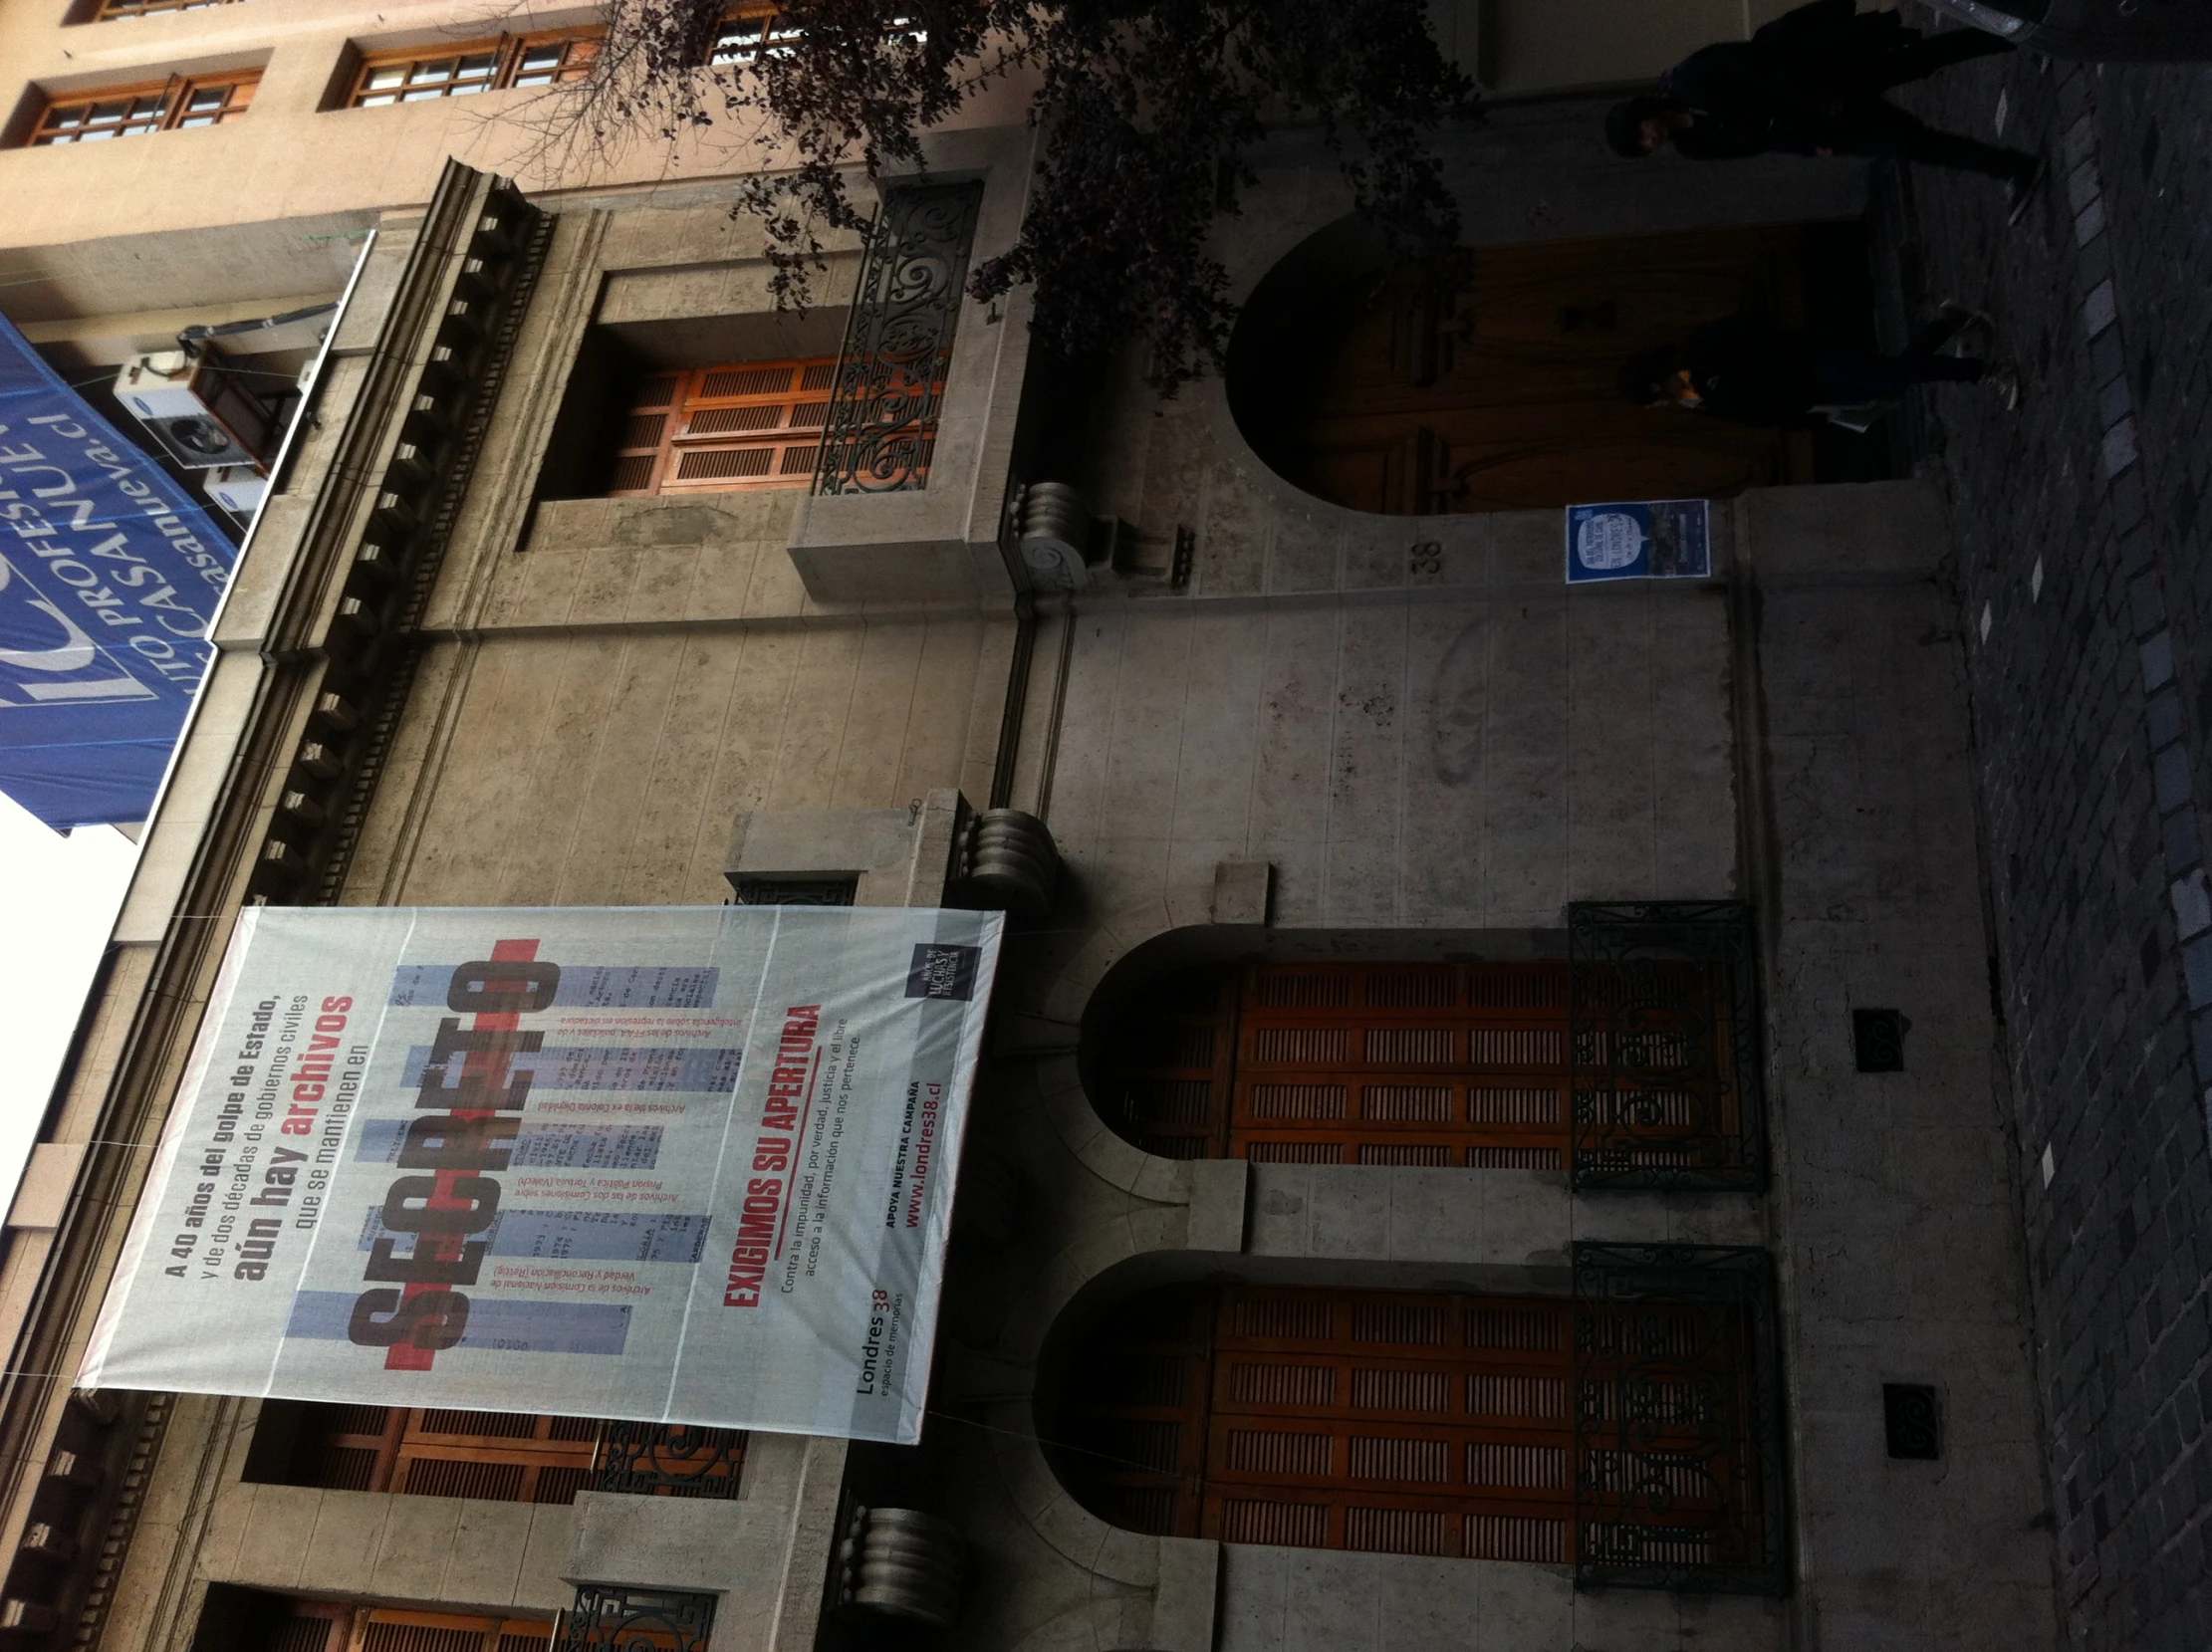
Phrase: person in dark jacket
pixel 1747 369
pixel 1811 83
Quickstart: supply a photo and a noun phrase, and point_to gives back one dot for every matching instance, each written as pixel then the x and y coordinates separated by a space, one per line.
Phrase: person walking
pixel 1811 83
pixel 1747 369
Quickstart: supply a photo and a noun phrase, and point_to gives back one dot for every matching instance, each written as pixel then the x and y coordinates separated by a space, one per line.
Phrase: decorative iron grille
pixel 883 422
pixel 1664 1047
pixel 670 1460
pixel 1677 1420
pixel 796 891
pixel 607 1618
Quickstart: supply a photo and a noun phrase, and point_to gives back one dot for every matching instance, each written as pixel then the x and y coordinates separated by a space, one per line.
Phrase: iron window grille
pixel 884 409
pixel 1912 1421
pixel 1677 1420
pixel 796 891
pixel 1878 1039
pixel 1664 1047
pixel 175 105
pixel 482 66
pixel 670 1460
pixel 607 1618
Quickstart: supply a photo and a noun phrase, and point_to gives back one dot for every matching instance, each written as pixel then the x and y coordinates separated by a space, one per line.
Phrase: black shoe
pixel 2023 188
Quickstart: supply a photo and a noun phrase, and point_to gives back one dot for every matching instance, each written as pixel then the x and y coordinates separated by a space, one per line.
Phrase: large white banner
pixel 682 1164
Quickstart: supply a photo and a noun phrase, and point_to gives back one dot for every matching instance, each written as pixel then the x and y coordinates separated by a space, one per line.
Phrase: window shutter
pixel 502 1457
pixel 744 424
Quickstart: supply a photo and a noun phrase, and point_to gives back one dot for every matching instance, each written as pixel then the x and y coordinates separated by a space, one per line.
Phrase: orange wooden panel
pixel 1390 1422
pixel 742 424
pixel 504 1457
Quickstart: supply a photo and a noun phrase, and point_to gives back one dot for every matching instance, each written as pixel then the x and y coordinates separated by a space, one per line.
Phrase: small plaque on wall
pixel 1651 538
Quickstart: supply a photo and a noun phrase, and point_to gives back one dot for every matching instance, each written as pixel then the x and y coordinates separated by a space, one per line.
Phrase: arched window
pixel 1633 1061
pixel 1629 1432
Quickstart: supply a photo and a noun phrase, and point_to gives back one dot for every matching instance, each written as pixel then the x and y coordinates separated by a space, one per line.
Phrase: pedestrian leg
pixel 1918 60
pixel 1855 377
pixel 1875 128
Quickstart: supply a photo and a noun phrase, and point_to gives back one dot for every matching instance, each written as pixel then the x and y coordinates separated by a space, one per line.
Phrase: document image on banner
pixel 674 1164
pixel 1653 538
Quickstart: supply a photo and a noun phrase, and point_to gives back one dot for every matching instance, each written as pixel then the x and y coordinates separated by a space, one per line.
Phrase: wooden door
pixel 1385 1064
pixel 1390 1422
pixel 1387 1421
pixel 1503 395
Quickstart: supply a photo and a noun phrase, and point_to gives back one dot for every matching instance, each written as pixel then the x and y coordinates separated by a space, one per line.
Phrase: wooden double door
pixel 1462 1426
pixel 1498 389
pixel 1386 1064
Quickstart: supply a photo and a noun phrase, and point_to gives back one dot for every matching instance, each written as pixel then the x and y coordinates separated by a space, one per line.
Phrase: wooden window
pixel 743 424
pixel 1400 1423
pixel 143 7
pixel 481 66
pixel 1437 1424
pixel 139 111
pixel 746 30
pixel 337 1627
pixel 1387 1063
pixel 506 1458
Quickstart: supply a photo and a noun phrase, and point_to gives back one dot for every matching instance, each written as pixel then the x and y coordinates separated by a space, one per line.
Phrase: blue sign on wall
pixel 109 576
pixel 1653 538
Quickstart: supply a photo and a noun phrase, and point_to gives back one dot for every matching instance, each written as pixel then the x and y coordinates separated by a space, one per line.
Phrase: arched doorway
pixel 1630 1434
pixel 1493 387
pixel 1390 1063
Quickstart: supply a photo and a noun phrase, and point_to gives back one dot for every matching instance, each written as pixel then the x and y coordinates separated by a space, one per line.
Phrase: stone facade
pixel 1326 735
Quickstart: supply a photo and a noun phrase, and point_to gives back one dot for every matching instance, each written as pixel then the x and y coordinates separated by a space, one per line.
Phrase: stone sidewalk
pixel 2085 596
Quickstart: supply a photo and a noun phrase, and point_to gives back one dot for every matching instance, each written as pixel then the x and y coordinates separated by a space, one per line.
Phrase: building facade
pixel 1496 1132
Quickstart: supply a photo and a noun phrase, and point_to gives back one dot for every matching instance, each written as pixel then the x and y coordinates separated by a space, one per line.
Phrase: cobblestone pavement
pixel 2084 582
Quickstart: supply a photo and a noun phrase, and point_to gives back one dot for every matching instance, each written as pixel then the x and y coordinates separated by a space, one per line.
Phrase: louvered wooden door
pixel 745 425
pixel 1397 1423
pixel 500 1456
pixel 1400 1423
pixel 1382 1064
pixel 1502 395
pixel 327 1627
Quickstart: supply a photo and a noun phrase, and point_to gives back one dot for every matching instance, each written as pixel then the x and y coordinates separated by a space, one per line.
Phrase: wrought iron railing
pixel 1677 1420
pixel 881 429
pixel 670 1460
pixel 607 1618
pixel 1664 1047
